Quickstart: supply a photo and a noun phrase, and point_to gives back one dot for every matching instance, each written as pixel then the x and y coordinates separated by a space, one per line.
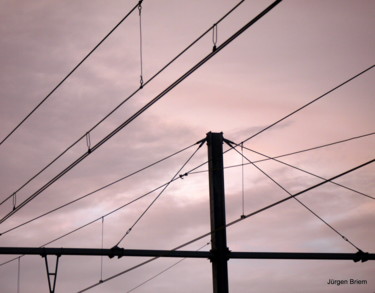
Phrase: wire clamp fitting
pixel 88 142
pixel 14 200
pixel 141 82
pixel 214 36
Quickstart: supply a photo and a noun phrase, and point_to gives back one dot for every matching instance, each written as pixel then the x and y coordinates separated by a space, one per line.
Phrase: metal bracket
pixel 52 276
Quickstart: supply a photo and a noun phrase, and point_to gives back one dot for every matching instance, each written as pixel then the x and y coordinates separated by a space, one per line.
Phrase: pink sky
pixel 297 52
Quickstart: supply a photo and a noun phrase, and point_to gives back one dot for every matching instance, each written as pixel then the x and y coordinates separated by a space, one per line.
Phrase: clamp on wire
pixel 141 82
pixel 214 36
pixel 88 142
pixel 14 200
pixel 140 42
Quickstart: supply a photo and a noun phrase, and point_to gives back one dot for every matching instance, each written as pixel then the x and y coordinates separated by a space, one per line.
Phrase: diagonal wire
pixel 96 190
pixel 163 271
pixel 307 172
pixel 292 153
pixel 242 218
pixel 309 103
pixel 144 108
pixel 299 201
pixel 160 193
pixel 123 102
pixel 107 214
pixel 69 74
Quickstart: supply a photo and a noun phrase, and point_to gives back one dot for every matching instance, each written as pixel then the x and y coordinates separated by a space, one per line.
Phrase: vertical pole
pixel 217 213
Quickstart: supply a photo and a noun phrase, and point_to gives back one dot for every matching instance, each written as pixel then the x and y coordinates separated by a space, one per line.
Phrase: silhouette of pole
pixel 220 252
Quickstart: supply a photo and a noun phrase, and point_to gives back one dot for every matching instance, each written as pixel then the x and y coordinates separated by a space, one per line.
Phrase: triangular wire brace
pixel 52 285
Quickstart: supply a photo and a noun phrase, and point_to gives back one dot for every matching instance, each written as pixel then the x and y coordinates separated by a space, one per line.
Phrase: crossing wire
pixel 307 172
pixel 163 271
pixel 242 218
pixel 192 172
pixel 97 190
pixel 123 102
pixel 299 201
pixel 103 216
pixel 187 173
pixel 197 172
pixel 70 73
pixel 143 109
pixel 160 193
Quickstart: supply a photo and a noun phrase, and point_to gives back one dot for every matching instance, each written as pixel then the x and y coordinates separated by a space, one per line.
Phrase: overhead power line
pixel 299 201
pixel 121 104
pixel 304 171
pixel 97 190
pixel 163 271
pixel 309 103
pixel 242 218
pixel 155 189
pixel 143 109
pixel 197 172
pixel 160 193
pixel 69 74
pixel 101 217
pixel 286 155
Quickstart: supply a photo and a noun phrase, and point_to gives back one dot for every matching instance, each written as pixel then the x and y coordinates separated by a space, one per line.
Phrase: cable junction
pixel 299 201
pixel 111 212
pixel 307 172
pixel 160 193
pixel 124 101
pixel 143 109
pixel 164 271
pixel 182 176
pixel 242 218
pixel 69 74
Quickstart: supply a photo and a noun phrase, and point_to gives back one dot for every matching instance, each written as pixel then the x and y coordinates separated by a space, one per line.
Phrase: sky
pixel 294 54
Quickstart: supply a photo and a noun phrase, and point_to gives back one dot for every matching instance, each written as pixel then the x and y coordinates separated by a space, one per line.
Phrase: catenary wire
pixel 242 218
pixel 299 201
pixel 70 73
pixel 103 216
pixel 307 172
pixel 143 109
pixel 163 271
pixel 96 190
pixel 309 103
pixel 160 193
pixel 290 154
pixel 122 103
pixel 192 172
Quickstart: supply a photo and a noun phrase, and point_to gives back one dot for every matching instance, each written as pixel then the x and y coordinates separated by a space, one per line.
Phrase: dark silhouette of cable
pixel 69 74
pixel 163 271
pixel 140 44
pixel 181 176
pixel 289 154
pixel 121 104
pixel 192 172
pixel 103 216
pixel 307 172
pixel 309 103
pixel 143 109
pixel 242 218
pixel 160 193
pixel 96 190
pixel 299 201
